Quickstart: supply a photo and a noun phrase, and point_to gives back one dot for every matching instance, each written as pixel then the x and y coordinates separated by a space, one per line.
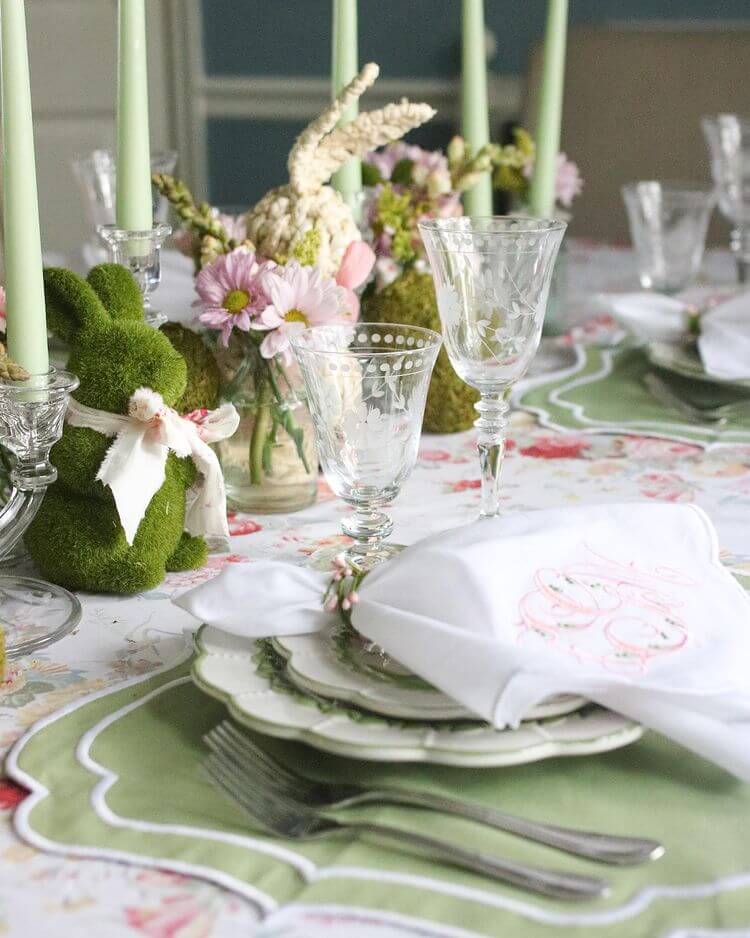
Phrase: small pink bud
pixel 346 605
pixel 337 576
pixel 353 597
pixel 340 560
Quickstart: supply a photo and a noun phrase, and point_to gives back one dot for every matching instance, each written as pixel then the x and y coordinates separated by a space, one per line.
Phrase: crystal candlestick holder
pixel 140 252
pixel 33 614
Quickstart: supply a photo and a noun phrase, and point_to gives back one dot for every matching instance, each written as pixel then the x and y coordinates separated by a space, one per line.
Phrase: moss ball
pixel 203 376
pixel 410 300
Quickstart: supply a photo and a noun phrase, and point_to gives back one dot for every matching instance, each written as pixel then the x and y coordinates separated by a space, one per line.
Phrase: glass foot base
pixel 34 614
pixel 323 559
pixel 368 654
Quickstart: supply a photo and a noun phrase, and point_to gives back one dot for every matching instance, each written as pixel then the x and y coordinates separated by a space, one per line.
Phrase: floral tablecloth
pixel 45 895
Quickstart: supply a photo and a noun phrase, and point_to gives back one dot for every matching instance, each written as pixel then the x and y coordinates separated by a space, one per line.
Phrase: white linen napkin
pixel 626 605
pixel 724 340
pixel 650 316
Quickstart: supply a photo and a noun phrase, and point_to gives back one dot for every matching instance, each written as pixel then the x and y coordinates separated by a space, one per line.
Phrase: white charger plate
pixel 335 665
pixel 249 676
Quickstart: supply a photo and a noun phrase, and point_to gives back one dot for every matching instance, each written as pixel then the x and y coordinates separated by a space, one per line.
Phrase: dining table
pixel 47 891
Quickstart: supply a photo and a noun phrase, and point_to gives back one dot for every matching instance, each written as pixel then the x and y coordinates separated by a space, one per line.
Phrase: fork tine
pixel 250 772
pixel 252 749
pixel 220 780
pixel 262 793
pixel 252 758
pixel 248 766
pixel 267 812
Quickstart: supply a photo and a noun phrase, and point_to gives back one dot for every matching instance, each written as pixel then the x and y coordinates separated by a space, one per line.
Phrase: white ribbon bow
pixel 134 466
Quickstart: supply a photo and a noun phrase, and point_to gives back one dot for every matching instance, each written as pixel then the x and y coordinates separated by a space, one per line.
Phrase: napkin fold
pixel 724 340
pixel 625 604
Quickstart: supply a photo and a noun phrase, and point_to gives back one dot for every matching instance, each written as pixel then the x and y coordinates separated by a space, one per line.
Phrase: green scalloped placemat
pixel 604 393
pixel 118 776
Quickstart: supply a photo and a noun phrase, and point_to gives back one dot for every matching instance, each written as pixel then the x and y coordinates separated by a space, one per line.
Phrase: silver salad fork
pixel 280 815
pixel 256 763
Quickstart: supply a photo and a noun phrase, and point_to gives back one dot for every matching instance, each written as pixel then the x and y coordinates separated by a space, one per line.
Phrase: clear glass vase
pixel 270 464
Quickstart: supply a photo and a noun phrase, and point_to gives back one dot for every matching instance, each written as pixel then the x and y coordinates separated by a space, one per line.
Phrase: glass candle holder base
pixel 140 252
pixel 35 614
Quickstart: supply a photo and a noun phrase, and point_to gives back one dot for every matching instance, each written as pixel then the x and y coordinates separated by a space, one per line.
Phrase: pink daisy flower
pixel 299 297
pixel 232 291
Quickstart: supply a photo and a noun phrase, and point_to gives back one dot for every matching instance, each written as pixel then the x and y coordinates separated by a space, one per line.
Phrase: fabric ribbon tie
pixel 134 466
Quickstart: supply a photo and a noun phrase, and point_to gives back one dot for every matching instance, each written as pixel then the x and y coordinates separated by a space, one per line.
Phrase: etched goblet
pixel 728 140
pixel 492 278
pixel 366 386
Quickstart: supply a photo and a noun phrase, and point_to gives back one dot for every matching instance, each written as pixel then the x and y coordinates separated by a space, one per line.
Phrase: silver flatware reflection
pixel 259 766
pixel 280 815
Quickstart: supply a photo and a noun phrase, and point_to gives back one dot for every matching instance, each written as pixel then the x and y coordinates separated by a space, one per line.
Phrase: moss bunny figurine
pixel 77 539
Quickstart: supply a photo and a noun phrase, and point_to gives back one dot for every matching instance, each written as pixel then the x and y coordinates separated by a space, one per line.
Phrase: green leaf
pixel 401 175
pixel 370 175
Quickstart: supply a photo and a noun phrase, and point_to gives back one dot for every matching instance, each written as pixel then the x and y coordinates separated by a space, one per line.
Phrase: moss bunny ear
pixel 116 288
pixel 72 304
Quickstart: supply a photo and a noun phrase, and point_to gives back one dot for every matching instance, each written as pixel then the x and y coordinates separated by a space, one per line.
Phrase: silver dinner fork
pixel 281 816
pixel 258 766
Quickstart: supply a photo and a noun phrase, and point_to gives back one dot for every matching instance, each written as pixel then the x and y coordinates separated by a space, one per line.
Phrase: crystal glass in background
pixel 668 223
pixel 97 180
pixel 728 139
pixel 366 387
pixel 492 278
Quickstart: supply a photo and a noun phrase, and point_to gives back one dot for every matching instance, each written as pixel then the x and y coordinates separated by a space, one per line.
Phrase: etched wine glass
pixel 492 278
pixel 728 140
pixel 366 386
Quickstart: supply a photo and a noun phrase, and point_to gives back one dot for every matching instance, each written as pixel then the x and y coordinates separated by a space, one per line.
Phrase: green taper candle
pixel 348 180
pixel 475 118
pixel 542 199
pixel 134 206
pixel 26 318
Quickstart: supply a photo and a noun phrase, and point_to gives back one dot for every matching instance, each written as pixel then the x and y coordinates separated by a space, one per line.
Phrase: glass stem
pixel 261 429
pixel 367 527
pixel 740 241
pixel 492 425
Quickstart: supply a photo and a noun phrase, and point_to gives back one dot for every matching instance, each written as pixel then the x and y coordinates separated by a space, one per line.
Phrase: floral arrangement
pixel 293 260
pixel 251 306
pixel 513 170
pixel 409 184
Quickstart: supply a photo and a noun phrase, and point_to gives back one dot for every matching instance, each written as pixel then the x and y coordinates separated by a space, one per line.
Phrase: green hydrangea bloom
pixel 306 250
pixel 410 300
